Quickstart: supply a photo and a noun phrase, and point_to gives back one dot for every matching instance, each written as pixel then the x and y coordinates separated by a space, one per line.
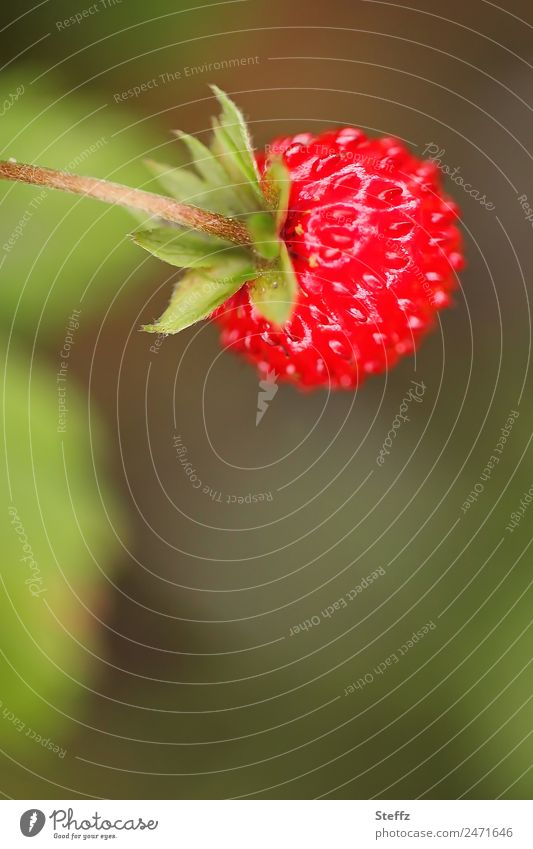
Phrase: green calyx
pixel 223 178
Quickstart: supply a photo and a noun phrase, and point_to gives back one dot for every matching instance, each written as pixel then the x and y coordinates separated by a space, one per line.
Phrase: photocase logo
pixel 267 390
pixel 32 822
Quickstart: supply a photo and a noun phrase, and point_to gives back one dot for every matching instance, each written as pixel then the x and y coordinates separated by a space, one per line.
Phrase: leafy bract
pixel 59 531
pixel 262 229
pixel 224 178
pixel 200 291
pixel 185 248
pixel 59 251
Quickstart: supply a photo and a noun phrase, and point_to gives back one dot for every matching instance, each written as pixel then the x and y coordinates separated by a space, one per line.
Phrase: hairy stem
pixel 164 207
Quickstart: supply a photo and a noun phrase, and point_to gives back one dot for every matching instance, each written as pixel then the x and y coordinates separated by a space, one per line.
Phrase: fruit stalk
pixel 114 193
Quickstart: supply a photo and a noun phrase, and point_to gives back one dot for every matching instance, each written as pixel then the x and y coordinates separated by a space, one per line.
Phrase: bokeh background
pixel 151 655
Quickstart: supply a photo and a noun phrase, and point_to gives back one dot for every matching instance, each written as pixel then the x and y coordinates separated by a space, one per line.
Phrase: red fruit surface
pixel 375 246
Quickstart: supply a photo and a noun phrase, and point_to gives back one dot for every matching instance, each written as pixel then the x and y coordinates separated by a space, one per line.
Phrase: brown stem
pixel 163 207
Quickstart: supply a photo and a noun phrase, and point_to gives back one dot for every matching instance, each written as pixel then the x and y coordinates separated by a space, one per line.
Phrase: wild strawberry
pixel 324 260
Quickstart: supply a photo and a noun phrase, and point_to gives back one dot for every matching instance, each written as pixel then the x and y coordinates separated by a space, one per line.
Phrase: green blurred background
pixel 146 646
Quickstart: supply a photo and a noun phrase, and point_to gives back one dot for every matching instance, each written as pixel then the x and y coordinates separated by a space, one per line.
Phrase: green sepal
pixel 199 292
pixel 187 248
pixel 274 292
pixel 262 228
pixel 204 161
pixel 180 182
pixel 233 144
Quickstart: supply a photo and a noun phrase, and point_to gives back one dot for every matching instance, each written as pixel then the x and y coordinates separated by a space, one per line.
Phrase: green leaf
pixel 232 143
pixel 275 291
pixel 278 181
pixel 198 293
pixel 185 248
pixel 262 229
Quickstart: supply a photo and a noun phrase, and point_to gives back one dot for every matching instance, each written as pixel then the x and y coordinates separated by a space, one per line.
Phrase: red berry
pixel 375 246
